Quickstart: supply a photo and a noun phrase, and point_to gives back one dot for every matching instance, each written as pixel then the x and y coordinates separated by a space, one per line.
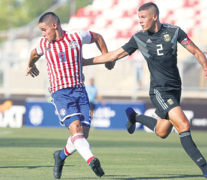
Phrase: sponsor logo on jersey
pixel 48 49
pixel 170 102
pixel 73 44
pixel 148 41
pixel 62 112
pixel 167 37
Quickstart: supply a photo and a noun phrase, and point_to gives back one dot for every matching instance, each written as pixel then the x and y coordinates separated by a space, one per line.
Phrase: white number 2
pixel 158 50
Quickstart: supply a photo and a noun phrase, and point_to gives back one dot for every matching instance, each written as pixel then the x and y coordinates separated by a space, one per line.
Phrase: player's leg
pixel 66 116
pixel 181 123
pixel 69 148
pixel 160 126
pixel 86 121
pixel 163 127
pixel 79 141
pixel 134 117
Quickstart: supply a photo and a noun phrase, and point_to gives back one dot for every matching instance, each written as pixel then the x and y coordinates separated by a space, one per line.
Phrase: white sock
pixel 82 146
pixel 69 148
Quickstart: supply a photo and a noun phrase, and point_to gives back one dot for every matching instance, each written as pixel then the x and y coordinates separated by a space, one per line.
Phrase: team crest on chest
pixel 62 112
pixel 167 37
pixel 73 44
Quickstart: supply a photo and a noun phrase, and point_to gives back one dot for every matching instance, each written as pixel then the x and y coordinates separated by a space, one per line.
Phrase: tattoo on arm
pixel 202 60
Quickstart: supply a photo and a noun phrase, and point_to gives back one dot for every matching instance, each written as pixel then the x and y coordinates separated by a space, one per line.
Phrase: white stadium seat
pixel 79 23
pixel 118 23
pixel 112 13
pixel 102 4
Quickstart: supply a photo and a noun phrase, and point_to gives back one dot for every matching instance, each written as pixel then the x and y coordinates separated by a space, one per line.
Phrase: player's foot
pixel 57 170
pixel 205 174
pixel 130 125
pixel 96 167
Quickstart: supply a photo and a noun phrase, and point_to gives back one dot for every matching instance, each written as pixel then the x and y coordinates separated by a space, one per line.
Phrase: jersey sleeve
pixel 183 38
pixel 38 49
pixel 181 35
pixel 87 36
pixel 131 46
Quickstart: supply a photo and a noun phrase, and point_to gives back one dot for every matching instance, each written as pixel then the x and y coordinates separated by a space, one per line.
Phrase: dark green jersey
pixel 160 52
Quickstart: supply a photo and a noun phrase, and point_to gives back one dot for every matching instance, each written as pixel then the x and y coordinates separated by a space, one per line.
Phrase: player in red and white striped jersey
pixel 64 59
pixel 63 51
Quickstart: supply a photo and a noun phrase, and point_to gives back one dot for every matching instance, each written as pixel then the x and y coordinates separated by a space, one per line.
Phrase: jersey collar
pixel 157 33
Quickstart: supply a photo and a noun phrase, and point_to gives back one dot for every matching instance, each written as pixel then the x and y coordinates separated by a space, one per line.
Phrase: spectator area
pixel 116 21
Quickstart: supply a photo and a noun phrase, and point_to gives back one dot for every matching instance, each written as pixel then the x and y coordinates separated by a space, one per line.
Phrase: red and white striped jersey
pixel 64 59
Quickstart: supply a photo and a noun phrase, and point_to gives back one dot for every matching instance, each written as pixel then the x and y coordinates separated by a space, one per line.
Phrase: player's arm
pixel 108 57
pixel 32 69
pixel 100 43
pixel 191 47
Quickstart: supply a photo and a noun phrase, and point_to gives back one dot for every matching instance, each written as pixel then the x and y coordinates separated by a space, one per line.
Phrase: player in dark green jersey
pixel 158 44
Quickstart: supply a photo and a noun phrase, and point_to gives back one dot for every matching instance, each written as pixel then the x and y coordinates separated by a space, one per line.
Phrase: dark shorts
pixel 92 106
pixel 164 101
pixel 72 104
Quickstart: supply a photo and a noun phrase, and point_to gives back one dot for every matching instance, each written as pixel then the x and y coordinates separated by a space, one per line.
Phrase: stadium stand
pixel 117 21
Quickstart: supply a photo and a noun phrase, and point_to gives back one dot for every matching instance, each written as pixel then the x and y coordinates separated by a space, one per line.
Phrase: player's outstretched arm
pixel 32 69
pixel 199 56
pixel 108 57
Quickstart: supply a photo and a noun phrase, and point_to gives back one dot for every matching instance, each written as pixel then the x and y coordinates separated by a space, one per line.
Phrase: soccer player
pixel 63 51
pixel 158 44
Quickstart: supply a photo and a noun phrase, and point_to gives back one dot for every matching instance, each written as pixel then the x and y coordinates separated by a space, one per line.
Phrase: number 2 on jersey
pixel 159 49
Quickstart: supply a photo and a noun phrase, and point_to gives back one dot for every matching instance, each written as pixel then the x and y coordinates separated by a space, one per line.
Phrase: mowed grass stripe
pixel 26 153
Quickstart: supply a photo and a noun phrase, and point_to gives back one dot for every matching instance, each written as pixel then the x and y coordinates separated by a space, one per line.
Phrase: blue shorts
pixel 72 104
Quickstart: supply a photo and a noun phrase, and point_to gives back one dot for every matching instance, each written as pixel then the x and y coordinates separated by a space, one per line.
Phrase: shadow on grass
pixel 32 142
pixel 161 177
pixel 143 178
pixel 29 167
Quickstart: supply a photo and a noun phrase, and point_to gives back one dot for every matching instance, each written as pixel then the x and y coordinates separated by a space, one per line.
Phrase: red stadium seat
pixel 121 16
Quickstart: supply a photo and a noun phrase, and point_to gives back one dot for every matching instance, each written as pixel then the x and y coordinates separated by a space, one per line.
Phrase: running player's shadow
pixel 29 167
pixel 164 177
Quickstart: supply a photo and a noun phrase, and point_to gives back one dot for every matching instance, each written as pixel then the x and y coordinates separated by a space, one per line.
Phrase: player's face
pixel 146 20
pixel 48 31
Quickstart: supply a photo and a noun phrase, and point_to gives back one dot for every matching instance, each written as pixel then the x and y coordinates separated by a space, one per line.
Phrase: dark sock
pixel 145 120
pixel 192 151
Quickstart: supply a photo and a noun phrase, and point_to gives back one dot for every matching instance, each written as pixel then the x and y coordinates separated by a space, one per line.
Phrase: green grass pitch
pixel 26 153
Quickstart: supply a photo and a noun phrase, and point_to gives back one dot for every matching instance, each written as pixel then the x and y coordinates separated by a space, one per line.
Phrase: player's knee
pixel 184 127
pixel 162 134
pixel 75 127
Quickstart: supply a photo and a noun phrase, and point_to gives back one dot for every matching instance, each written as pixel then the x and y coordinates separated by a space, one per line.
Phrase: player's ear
pixel 54 25
pixel 155 17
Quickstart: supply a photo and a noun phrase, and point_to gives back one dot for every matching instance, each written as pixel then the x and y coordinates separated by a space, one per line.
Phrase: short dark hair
pixel 49 17
pixel 148 6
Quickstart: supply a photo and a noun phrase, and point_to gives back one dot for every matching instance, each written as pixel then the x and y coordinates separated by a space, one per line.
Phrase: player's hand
pixel 110 65
pixel 32 71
